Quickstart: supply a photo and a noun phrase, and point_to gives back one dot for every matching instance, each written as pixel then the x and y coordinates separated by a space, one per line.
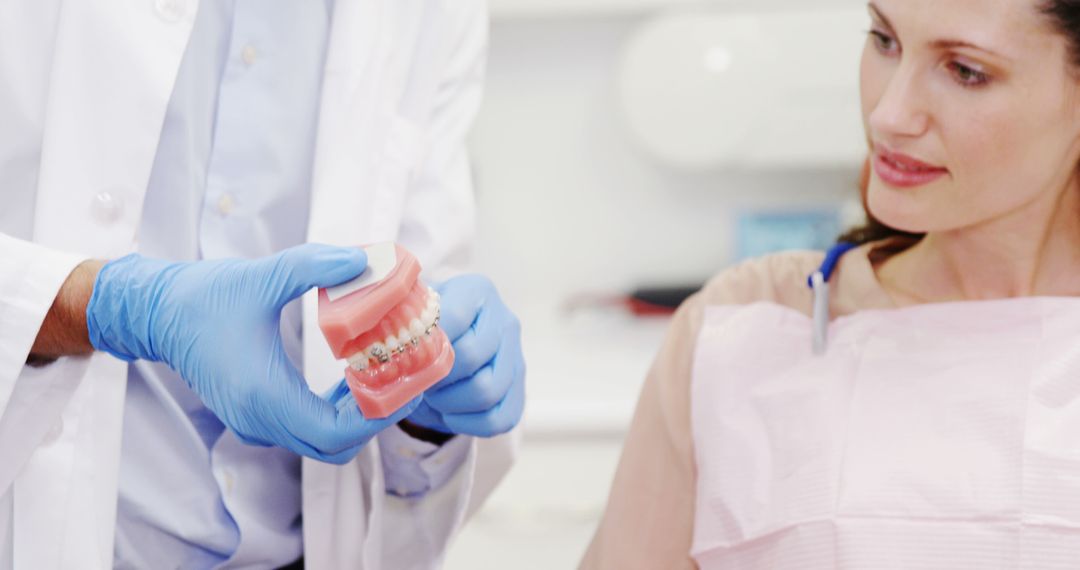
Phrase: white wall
pixel 506 9
pixel 568 205
pixel 562 188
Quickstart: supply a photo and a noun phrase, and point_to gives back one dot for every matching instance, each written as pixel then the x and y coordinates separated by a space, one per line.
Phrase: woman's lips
pixel 902 171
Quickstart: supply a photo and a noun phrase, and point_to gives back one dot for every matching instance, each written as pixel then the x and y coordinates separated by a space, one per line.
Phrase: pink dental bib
pixel 940 436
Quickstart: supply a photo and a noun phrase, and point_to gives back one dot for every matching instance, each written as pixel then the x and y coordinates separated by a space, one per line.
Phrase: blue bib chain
pixel 819 284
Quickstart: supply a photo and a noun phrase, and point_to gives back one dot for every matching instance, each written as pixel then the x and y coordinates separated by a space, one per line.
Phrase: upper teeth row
pixel 418 328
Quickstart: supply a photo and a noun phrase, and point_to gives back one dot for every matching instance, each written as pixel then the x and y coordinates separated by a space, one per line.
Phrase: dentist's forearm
pixel 64 331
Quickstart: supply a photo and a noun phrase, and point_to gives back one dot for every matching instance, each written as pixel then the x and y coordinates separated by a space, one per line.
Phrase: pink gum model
pixel 389 333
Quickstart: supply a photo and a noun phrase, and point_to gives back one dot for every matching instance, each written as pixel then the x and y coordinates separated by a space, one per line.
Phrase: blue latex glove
pixel 217 323
pixel 484 395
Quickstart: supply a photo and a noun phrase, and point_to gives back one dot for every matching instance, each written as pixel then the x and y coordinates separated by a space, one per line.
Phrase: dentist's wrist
pixel 64 330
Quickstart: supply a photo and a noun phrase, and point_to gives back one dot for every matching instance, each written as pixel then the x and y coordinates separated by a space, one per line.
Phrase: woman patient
pixel 939 427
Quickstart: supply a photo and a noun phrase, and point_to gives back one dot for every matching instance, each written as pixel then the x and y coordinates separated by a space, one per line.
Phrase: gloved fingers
pixel 428 417
pixel 336 427
pixel 310 423
pixel 461 301
pixel 252 441
pixel 299 269
pixel 267 430
pixel 342 457
pixel 352 419
pixel 498 420
pixel 478 345
pixel 348 412
pixel 479 392
pixel 338 393
pixel 342 399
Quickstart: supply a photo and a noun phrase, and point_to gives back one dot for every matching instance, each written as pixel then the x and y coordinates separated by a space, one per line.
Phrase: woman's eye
pixel 968 76
pixel 884 43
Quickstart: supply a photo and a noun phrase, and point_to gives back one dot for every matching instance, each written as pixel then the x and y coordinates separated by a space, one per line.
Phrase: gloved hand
pixel 484 395
pixel 216 323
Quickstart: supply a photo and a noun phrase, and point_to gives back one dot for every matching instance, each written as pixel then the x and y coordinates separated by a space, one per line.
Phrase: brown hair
pixel 1064 16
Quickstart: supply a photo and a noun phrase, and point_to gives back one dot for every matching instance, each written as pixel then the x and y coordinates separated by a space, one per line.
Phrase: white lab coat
pixel 83 91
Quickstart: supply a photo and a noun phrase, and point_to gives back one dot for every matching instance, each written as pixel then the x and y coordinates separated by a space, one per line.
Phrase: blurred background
pixel 628 144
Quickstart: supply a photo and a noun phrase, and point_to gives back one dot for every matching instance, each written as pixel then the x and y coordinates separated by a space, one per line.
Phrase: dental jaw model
pixel 385 324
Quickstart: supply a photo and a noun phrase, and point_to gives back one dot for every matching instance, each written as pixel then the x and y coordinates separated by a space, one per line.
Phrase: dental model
pixel 385 324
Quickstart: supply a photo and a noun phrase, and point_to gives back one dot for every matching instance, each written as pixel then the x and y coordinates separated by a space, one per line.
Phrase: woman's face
pixel 971 111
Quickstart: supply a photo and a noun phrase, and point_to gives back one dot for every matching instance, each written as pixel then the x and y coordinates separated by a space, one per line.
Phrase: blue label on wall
pixel 763 232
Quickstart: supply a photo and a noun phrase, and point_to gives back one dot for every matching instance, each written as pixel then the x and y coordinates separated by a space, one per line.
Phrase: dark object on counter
pixel 659 300
pixel 641 302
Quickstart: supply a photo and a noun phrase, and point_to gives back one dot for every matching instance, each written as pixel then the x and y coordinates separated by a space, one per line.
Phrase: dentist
pixel 168 171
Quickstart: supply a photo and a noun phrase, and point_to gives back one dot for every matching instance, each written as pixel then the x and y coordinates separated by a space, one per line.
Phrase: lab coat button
pixel 225 204
pixel 230 481
pixel 54 433
pixel 248 55
pixel 170 10
pixel 107 207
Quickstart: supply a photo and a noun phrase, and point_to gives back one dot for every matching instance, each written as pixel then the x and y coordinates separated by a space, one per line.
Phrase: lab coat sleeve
pixel 30 277
pixel 439 226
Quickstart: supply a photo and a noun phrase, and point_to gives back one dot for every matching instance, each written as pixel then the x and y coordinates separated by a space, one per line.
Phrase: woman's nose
pixel 902 109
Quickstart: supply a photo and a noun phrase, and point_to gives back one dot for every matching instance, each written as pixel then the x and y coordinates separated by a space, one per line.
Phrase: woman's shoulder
pixel 778 278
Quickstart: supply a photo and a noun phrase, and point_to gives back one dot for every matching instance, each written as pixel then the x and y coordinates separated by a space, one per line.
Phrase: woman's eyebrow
pixel 953 44
pixel 942 44
pixel 877 13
